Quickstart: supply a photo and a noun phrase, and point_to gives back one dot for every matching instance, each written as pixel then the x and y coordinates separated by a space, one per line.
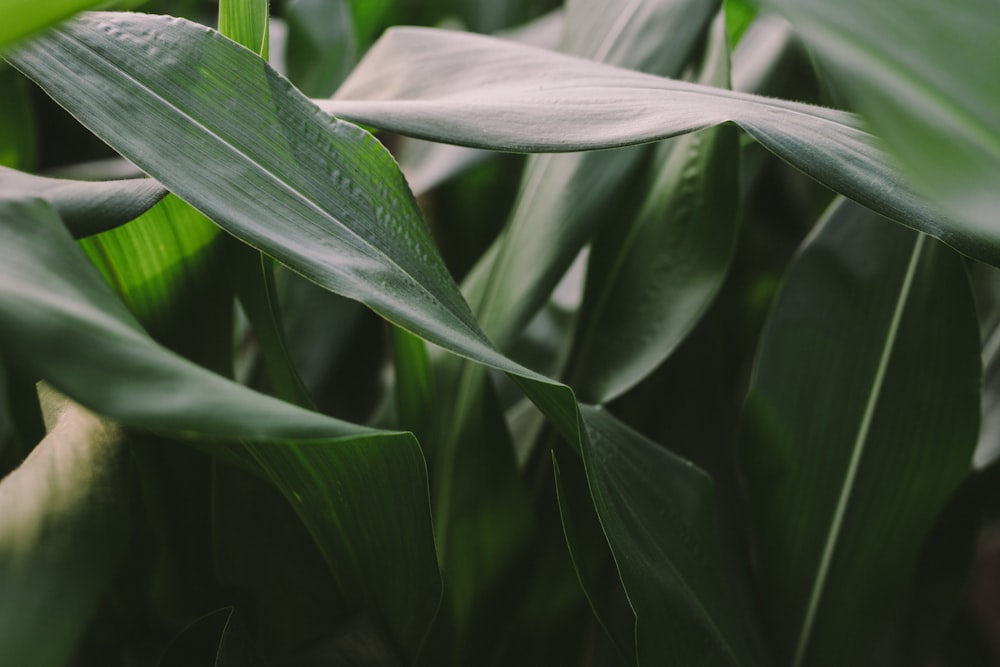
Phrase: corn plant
pixel 660 332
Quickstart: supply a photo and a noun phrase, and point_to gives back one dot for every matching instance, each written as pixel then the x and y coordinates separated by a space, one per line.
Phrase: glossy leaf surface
pixel 923 73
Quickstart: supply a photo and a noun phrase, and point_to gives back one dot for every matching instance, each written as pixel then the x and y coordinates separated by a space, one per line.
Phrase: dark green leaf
pixel 658 514
pixel 322 47
pixel 861 422
pixel 218 639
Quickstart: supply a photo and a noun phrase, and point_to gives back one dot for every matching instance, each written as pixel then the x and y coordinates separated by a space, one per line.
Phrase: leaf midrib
pixel 850 477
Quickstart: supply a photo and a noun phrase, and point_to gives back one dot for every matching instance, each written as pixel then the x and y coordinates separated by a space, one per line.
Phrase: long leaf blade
pixel 847 475
pixel 488 93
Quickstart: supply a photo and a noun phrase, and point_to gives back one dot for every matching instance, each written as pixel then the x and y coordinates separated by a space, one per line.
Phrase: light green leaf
pixel 22 18
pixel 63 530
pixel 245 22
pixel 168 266
pixel 856 435
pixel 113 367
pixel 923 73
pixel 658 514
pixel 87 207
pixel 477 91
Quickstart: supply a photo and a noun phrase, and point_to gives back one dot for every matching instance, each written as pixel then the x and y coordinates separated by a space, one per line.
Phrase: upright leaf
pixel 63 530
pixel 923 74
pixel 856 435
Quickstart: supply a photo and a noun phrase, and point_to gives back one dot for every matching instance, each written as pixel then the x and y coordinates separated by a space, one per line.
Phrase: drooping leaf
pixel 318 194
pixel 63 530
pixel 87 207
pixel 856 437
pixel 113 367
pixel 922 73
pixel 24 17
pixel 657 511
pixel 487 93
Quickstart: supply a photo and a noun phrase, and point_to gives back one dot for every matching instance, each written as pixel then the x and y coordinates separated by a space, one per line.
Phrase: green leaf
pixel 319 195
pixel 245 22
pixel 482 92
pixel 87 207
pixel 921 72
pixel 658 514
pixel 25 17
pixel 322 47
pixel 856 436
pixel 650 280
pixel 564 197
pixel 17 122
pixel 113 367
pixel 217 639
pixel 63 530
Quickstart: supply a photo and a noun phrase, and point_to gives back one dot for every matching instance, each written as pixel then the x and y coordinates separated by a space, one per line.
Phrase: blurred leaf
pixel 217 639
pixel 922 72
pixel 24 17
pixel 487 93
pixel 855 436
pixel 658 513
pixel 87 207
pixel 17 122
pixel 377 510
pixel 413 383
pixel 650 280
pixel 322 47
pixel 63 530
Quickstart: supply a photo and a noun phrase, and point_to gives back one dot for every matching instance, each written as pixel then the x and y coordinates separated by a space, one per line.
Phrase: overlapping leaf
pixel 483 92
pixel 68 327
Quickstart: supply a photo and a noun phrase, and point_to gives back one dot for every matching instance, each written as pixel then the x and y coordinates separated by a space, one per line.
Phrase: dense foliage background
pixel 639 333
